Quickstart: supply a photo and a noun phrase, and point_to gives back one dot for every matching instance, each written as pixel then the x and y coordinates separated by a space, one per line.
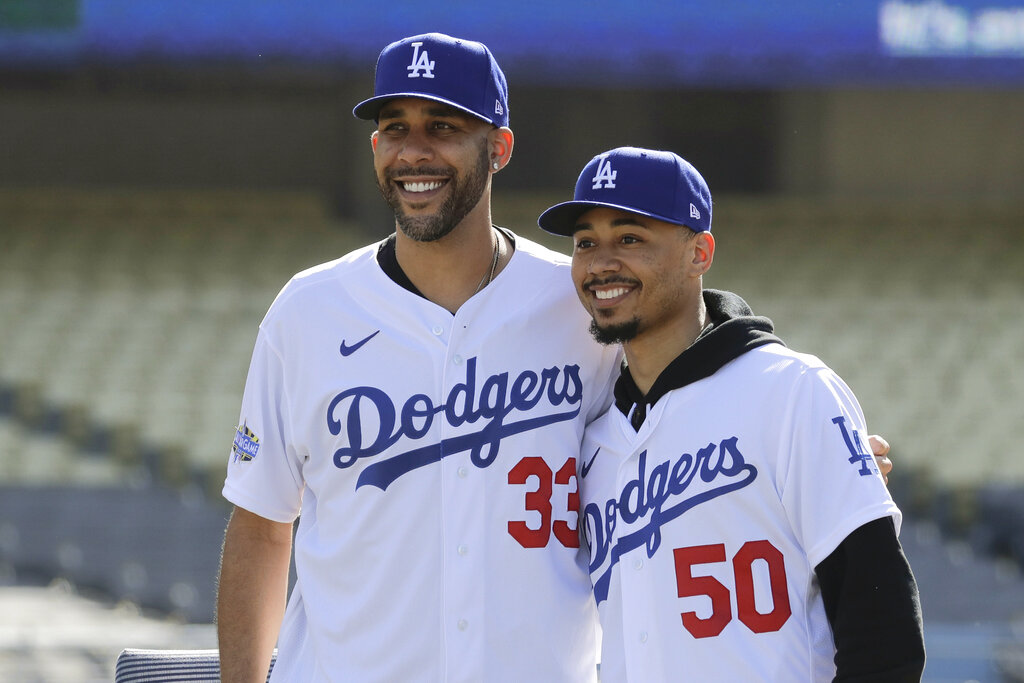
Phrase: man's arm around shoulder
pixel 251 594
pixel 872 602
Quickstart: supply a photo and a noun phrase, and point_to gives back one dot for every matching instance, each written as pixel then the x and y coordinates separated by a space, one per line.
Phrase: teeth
pixel 422 187
pixel 610 293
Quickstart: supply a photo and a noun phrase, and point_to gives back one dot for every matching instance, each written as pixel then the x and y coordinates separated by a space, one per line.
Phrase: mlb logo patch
pixel 246 444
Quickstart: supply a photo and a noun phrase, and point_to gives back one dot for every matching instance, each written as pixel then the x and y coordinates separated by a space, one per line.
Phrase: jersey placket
pixel 462 501
pixel 639 629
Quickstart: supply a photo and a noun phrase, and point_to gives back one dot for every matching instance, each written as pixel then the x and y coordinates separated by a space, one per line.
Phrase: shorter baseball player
pixel 738 527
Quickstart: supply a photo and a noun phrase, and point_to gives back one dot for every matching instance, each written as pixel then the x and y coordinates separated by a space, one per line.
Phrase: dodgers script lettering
pixel 657 498
pixel 497 397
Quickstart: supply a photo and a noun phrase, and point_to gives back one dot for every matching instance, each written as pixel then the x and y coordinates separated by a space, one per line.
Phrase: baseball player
pixel 418 406
pixel 738 528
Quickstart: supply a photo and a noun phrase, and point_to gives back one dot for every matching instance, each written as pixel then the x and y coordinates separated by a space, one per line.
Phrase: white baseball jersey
pixel 431 460
pixel 706 525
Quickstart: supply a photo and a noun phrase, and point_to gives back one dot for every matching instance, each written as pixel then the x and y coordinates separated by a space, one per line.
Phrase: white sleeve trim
pixel 828 545
pixel 242 498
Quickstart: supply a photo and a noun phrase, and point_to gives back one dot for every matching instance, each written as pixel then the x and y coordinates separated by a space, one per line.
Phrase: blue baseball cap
pixel 648 182
pixel 433 66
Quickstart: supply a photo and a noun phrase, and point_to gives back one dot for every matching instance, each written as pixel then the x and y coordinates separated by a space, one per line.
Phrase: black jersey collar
pixel 388 261
pixel 387 258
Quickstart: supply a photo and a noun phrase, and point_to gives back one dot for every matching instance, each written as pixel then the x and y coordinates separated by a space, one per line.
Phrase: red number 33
pixel 539 500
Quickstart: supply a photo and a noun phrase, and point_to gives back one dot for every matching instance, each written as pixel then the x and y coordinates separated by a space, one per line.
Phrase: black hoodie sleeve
pixel 872 603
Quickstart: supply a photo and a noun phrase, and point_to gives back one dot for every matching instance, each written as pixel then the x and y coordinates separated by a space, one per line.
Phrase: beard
pixel 615 334
pixel 464 194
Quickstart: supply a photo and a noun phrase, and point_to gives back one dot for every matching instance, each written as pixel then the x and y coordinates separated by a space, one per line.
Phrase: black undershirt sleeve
pixel 872 603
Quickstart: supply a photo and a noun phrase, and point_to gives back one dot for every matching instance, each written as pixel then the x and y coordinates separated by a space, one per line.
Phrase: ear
pixel 373 140
pixel 703 252
pixel 501 140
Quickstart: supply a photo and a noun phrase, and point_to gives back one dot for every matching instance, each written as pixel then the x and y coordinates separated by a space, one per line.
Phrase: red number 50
pixel 539 500
pixel 721 609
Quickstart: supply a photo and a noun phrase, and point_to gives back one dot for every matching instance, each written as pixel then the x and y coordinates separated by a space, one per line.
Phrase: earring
pixel 495 166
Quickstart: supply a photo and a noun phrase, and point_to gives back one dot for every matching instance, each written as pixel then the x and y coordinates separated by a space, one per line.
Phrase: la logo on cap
pixel 605 175
pixel 420 60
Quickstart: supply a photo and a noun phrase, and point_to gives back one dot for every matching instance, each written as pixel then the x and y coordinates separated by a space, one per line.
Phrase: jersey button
pixel 437 330
pixel 638 563
pixel 463 549
pixel 463 624
pixel 457 359
pixel 462 472
pixel 643 636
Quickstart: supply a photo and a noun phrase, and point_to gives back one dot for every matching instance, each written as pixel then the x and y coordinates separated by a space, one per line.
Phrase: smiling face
pixel 432 164
pixel 636 275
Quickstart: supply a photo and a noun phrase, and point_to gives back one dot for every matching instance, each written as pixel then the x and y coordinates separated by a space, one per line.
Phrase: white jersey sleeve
pixel 274 489
pixel 830 483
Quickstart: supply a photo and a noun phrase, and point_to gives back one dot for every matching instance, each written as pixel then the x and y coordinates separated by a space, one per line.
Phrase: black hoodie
pixel 733 331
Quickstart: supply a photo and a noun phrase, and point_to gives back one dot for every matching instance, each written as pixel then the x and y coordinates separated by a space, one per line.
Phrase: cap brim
pixel 561 219
pixel 369 110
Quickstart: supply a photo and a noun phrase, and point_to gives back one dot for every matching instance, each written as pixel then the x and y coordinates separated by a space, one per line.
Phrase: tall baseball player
pixel 738 528
pixel 418 405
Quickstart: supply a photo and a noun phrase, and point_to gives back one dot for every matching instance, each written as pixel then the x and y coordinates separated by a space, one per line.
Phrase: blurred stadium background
pixel 165 167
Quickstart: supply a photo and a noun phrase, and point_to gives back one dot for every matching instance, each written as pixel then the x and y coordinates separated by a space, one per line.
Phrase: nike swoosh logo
pixel 587 465
pixel 349 350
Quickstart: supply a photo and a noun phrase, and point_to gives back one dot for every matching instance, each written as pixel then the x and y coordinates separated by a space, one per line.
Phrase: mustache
pixel 413 172
pixel 613 280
